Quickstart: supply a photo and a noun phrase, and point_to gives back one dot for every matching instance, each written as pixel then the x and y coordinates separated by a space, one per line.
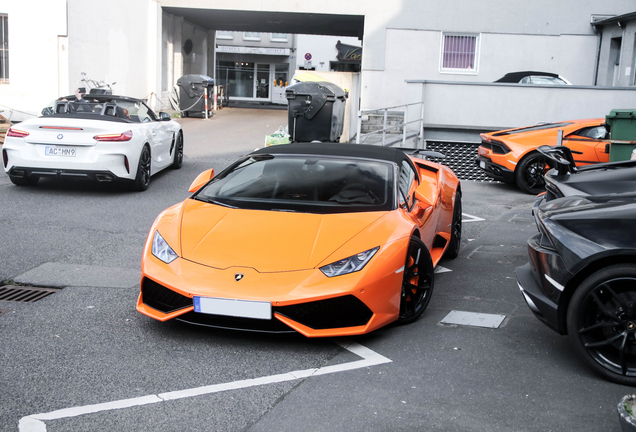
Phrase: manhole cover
pixel 24 294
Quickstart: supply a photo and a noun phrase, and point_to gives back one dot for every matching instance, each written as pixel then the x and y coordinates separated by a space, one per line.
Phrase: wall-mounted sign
pixel 252 50
pixel 349 53
pixel 308 56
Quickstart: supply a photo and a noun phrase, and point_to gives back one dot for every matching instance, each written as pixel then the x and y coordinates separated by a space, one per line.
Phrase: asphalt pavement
pixel 84 359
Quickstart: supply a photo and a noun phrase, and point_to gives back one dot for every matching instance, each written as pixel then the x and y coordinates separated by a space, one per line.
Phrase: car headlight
pixel 162 250
pixel 349 265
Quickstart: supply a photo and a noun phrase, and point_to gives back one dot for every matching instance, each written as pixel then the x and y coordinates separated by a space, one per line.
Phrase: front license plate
pixel 482 164
pixel 59 151
pixel 235 308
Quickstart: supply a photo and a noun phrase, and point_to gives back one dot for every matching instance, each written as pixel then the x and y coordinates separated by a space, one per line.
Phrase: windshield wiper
pixel 212 201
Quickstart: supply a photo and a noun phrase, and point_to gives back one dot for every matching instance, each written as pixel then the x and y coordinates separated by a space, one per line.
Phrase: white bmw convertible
pixel 100 137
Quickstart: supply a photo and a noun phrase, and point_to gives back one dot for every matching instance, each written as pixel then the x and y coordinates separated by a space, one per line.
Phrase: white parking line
pixel 470 218
pixel 35 422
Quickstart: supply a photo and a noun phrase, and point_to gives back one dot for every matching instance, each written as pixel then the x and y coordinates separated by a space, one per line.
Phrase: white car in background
pixel 100 137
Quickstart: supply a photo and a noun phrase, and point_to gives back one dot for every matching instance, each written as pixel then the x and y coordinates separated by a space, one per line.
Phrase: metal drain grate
pixel 24 294
pixel 460 157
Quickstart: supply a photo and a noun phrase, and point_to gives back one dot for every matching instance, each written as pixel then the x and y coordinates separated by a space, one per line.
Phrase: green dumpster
pixel 622 123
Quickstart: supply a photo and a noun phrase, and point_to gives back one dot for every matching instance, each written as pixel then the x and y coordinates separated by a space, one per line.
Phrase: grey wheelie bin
pixel 192 89
pixel 315 111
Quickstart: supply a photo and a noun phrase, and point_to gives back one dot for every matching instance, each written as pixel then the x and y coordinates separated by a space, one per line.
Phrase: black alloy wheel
pixel 601 322
pixel 178 152
pixel 456 228
pixel 529 173
pixel 417 282
pixel 142 180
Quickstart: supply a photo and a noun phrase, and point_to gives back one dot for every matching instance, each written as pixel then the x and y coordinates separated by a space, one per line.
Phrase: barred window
pixel 460 53
pixel 4 49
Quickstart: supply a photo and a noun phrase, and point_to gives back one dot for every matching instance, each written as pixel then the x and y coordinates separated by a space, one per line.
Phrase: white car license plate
pixel 235 308
pixel 59 151
pixel 482 164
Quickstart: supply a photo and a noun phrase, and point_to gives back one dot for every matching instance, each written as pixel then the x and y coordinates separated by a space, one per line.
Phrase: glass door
pixel 261 83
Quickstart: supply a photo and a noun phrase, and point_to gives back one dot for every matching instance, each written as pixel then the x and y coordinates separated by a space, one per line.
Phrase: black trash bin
pixel 192 90
pixel 315 111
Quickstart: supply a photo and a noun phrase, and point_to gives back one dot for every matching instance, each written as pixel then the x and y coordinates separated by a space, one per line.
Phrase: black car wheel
pixel 529 173
pixel 24 181
pixel 601 322
pixel 417 282
pixel 456 228
pixel 178 152
pixel 142 180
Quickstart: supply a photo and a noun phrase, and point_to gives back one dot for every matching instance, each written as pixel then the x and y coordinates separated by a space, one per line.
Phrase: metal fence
pixel 460 157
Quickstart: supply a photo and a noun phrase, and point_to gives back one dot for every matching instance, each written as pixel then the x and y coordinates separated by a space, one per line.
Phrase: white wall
pixel 118 41
pixel 34 28
pixel 322 49
pixel 502 106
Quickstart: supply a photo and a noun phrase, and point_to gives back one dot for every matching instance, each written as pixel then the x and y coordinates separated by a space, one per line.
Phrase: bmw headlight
pixel 349 265
pixel 162 250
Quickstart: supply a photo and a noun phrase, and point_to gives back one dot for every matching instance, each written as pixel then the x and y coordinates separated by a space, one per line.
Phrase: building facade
pixel 146 45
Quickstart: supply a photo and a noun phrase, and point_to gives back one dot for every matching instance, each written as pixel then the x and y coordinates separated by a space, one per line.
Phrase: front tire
pixel 178 152
pixel 456 228
pixel 142 179
pixel 417 282
pixel 601 323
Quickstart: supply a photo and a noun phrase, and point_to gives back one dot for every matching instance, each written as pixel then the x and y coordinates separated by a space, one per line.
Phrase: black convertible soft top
pixel 335 149
pixel 515 77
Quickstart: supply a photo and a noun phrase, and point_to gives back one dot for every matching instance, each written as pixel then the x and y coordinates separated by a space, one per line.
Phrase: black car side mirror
pixel 163 116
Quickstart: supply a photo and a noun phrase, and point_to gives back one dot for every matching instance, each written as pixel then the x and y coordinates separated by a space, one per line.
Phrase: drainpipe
pixel 597 58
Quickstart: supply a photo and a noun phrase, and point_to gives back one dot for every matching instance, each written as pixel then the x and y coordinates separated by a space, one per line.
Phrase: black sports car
pixel 581 278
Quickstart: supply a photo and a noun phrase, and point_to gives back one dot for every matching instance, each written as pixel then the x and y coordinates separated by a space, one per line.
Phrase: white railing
pixel 410 128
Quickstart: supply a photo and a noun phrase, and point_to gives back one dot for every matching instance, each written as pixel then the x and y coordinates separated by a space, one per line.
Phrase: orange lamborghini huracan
pixel 511 155
pixel 321 239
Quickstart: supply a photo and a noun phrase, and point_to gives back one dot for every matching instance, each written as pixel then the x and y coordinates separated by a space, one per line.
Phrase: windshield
pixel 102 109
pixel 307 183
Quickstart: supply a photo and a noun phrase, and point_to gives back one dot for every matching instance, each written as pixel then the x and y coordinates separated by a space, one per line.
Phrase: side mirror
pixel 163 116
pixel 201 179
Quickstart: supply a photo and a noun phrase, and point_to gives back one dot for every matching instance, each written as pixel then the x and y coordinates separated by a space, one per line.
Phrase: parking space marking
pixel 470 218
pixel 35 422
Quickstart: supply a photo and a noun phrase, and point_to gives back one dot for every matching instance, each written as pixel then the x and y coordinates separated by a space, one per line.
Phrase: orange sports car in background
pixel 321 239
pixel 511 155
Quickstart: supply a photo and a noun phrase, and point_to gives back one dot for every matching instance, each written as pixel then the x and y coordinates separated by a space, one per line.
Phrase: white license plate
pixel 59 151
pixel 482 164
pixel 235 308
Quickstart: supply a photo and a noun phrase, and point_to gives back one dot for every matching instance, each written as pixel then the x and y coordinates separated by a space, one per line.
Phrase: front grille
pixel 161 298
pixel 346 311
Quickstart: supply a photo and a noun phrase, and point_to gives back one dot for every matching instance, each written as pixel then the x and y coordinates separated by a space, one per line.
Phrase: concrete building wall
pixel 322 49
pixel 36 58
pixel 118 41
pixel 617 59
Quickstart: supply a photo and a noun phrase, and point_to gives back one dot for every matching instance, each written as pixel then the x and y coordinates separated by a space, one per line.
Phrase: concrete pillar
pixel 177 46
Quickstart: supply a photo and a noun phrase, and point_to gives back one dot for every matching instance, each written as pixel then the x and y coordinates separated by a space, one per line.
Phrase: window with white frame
pixel 278 37
pixel 4 49
pixel 252 36
pixel 222 34
pixel 460 53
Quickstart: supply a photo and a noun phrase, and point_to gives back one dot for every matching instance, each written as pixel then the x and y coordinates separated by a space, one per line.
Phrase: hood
pixel 267 241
